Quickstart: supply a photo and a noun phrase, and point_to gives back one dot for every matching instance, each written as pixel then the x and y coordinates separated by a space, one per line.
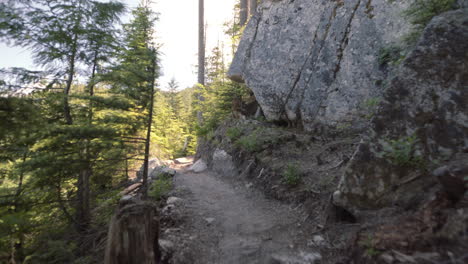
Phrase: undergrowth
pixel 402 152
pixel 291 175
pixel 252 142
pixel 233 133
pixel 160 187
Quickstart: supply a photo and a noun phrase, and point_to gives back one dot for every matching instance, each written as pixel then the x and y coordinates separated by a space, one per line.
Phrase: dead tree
pixel 133 234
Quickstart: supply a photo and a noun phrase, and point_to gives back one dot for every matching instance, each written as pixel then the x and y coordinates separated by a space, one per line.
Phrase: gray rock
pixel 167 249
pixel 198 166
pixel 301 258
pixel 152 164
pixel 441 171
pixel 174 200
pixel 162 171
pixel 319 240
pixel 126 199
pixel 315 61
pixel 168 209
pixel 183 160
pixel 209 220
pixel 222 163
pixel 427 101
pixel 387 258
pixel 462 3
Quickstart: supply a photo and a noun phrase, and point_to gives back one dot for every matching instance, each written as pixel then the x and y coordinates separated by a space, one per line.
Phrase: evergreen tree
pixel 138 69
pixel 173 96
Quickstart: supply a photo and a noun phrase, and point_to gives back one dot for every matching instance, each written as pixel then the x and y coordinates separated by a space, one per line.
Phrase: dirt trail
pixel 232 223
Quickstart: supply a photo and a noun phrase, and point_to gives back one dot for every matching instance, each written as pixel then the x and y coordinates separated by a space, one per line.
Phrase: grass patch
pixel 370 106
pixel 233 133
pixel 253 142
pixel 291 175
pixel 392 55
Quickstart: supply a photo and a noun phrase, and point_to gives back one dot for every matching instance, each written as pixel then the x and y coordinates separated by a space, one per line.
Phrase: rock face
pixel 316 61
pixel 421 124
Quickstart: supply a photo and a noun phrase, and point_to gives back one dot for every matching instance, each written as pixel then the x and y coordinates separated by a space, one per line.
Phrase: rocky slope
pixel 320 64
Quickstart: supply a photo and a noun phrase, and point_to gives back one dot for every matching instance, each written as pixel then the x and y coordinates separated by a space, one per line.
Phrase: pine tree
pixel 137 71
pixel 174 99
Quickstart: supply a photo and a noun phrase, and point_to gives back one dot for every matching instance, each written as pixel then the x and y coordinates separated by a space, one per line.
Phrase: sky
pixel 176 31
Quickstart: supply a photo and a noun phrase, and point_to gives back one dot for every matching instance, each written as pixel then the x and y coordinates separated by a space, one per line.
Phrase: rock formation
pixel 421 124
pixel 315 62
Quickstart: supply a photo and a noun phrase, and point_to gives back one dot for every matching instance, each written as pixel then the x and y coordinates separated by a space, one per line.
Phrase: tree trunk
pixel 148 129
pixel 83 209
pixel 71 73
pixel 17 254
pixel 201 42
pixel 252 7
pixel 83 215
pixel 133 234
pixel 243 12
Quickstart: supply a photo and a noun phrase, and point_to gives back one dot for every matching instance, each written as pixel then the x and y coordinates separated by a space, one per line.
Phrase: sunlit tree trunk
pixel 243 12
pixel 148 128
pixel 201 42
pixel 252 7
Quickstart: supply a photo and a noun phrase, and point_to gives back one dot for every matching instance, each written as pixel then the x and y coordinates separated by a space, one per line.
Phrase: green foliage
pixel 401 152
pixel 371 251
pixel 369 106
pixel 421 12
pixel 215 100
pixel 291 175
pixel 233 133
pixel 249 143
pixel 160 187
pixel 253 142
pixel 43 155
pixel 172 135
pixel 391 55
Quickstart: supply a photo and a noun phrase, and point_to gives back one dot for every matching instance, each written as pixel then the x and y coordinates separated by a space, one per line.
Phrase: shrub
pixel 233 133
pixel 249 143
pixel 291 175
pixel 370 106
pixel 368 244
pixel 252 142
pixel 391 55
pixel 402 152
pixel 160 187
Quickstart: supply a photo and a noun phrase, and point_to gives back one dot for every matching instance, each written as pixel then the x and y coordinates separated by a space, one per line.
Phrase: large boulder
pixel 162 172
pixel 422 124
pixel 315 61
pixel 223 164
pixel 199 166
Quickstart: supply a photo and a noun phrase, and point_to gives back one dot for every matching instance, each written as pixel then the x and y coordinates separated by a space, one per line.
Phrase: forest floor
pixel 221 221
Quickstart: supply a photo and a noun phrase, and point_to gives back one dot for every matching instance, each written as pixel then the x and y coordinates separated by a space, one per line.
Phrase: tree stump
pixel 133 234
